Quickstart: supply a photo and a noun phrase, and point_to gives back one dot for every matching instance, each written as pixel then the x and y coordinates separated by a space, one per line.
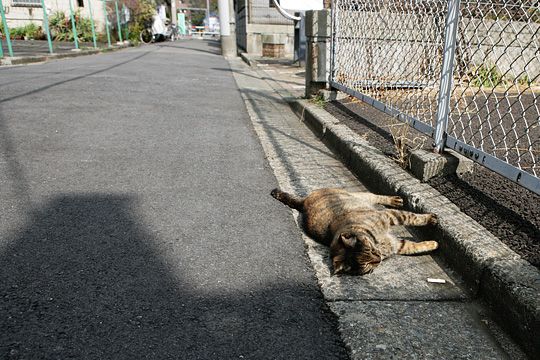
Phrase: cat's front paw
pixel 396 201
pixel 433 219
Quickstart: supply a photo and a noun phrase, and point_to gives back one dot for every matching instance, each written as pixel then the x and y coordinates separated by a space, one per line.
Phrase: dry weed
pixel 404 142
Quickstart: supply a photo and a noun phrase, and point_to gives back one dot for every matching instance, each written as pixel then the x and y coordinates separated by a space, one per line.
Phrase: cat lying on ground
pixel 357 233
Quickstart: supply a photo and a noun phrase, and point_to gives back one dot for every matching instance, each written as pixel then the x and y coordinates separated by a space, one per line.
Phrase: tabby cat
pixel 357 233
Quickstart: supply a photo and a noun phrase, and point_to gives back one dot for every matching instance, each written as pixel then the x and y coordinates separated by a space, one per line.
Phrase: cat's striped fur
pixel 356 232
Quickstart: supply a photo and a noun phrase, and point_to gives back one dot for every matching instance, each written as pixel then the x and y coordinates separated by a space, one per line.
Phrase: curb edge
pixel 23 60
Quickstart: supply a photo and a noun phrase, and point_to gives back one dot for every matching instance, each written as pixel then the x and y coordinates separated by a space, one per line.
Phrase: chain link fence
pixel 264 12
pixel 465 73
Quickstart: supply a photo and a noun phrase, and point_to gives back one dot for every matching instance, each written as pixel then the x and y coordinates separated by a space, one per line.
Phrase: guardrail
pixel 465 73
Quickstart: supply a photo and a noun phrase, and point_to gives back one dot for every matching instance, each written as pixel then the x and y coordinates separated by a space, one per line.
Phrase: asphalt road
pixel 136 221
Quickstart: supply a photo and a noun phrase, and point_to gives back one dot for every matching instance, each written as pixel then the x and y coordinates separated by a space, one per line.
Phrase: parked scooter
pixel 159 31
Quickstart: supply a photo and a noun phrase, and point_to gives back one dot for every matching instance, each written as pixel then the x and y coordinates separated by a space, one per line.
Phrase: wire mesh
pixel 494 104
pixel 391 52
pixel 263 12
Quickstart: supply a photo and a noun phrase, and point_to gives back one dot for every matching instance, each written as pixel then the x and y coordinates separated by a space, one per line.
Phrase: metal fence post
pixel 447 74
pixel 92 22
pixel 46 26
pixel 333 26
pixel 118 21
pixel 73 25
pixel 6 30
pixel 106 22
pixel 127 23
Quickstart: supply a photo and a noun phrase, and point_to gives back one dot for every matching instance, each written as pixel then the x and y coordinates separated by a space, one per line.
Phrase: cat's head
pixel 353 254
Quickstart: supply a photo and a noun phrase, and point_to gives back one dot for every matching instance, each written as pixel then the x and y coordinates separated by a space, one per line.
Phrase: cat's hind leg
pixel 407 247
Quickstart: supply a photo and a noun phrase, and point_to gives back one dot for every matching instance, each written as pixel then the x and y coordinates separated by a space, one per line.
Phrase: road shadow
pixel 191 47
pixel 213 42
pixel 86 279
pixel 379 130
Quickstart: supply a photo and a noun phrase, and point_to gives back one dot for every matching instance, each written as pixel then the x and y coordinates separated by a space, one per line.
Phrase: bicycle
pixel 146 36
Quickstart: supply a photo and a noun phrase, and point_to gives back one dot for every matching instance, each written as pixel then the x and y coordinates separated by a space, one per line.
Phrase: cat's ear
pixel 349 240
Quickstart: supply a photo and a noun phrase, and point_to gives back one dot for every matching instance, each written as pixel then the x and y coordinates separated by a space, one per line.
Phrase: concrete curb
pixel 510 285
pixel 22 60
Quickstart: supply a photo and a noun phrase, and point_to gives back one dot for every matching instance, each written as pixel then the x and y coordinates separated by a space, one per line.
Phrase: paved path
pixel 136 221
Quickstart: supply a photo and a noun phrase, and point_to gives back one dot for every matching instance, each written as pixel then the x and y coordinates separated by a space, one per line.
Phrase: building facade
pixel 22 12
pixel 261 30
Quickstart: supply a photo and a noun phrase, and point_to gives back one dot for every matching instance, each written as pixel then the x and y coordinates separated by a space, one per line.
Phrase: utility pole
pixel 232 26
pixel 207 15
pixel 227 26
pixel 173 13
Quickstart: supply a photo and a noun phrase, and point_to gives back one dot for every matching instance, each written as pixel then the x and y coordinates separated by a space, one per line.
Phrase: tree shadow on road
pixel 86 279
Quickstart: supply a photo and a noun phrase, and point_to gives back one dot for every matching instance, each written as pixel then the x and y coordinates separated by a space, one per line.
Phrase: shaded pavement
pixel 135 220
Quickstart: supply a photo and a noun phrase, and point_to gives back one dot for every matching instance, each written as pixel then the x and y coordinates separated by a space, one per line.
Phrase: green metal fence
pixel 63 29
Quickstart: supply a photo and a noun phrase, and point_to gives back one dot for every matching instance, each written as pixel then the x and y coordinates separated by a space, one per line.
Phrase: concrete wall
pixel 22 15
pixel 512 46
pixel 256 34
pixel 389 46
pixel 260 23
pixel 408 47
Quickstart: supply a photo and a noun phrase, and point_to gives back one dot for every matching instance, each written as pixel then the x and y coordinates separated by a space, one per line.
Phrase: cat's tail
pixel 413 248
pixel 290 200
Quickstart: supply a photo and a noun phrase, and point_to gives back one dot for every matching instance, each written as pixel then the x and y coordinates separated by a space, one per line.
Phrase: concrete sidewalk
pixel 393 313
pixel 492 271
